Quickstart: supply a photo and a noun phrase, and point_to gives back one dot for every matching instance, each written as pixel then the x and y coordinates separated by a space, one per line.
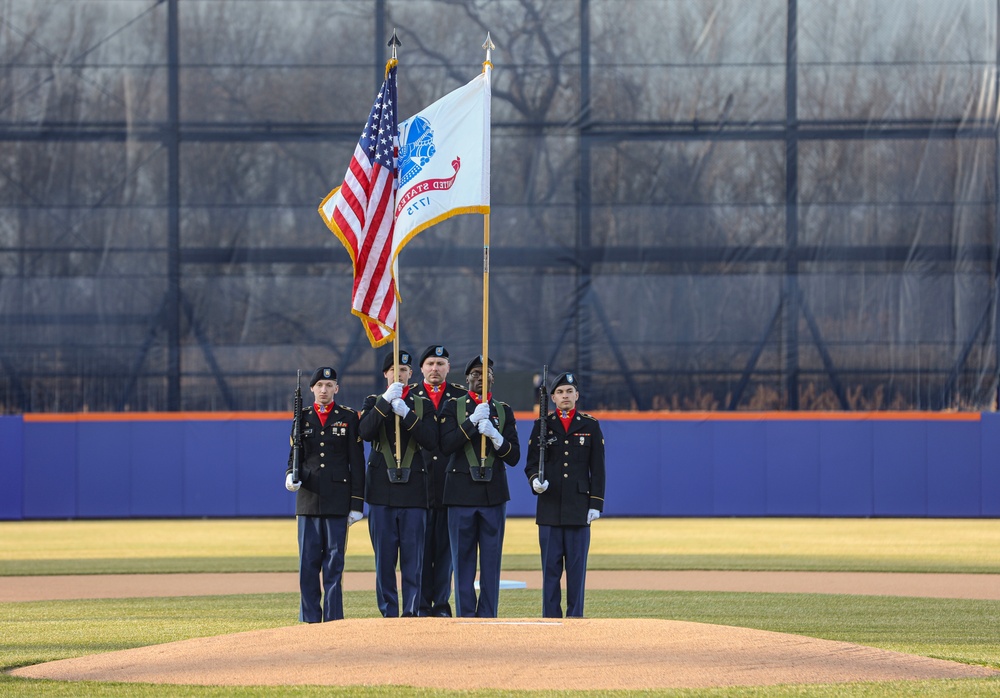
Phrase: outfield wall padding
pixel 684 464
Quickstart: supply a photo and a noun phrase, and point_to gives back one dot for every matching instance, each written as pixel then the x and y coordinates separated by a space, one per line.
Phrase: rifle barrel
pixel 543 414
pixel 297 427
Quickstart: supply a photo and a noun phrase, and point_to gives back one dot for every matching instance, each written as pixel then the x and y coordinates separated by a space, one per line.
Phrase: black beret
pixel 433 350
pixel 477 361
pixel 324 373
pixel 564 379
pixel 404 360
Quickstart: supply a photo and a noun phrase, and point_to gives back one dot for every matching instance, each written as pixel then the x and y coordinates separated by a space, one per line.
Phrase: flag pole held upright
pixel 393 44
pixel 444 171
pixel 487 66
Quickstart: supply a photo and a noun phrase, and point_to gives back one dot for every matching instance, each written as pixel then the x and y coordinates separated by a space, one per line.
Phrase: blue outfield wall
pixel 709 464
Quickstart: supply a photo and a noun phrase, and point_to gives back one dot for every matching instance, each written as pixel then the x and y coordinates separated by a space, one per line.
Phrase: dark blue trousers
pixel 435 587
pixel 475 530
pixel 397 535
pixel 322 541
pixel 563 545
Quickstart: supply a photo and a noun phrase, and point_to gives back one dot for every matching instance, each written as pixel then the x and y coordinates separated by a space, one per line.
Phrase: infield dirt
pixel 530 653
pixel 119 586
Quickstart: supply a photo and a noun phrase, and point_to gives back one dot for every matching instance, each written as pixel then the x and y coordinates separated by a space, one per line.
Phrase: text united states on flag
pixel 360 214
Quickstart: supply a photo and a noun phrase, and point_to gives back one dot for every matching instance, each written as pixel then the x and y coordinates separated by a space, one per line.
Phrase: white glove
pixel 290 484
pixel 481 412
pixel 400 407
pixel 394 391
pixel 592 514
pixel 487 429
pixel 539 486
pixel 355 516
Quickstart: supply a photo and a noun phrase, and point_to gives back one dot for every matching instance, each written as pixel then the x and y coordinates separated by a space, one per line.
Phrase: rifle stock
pixel 297 428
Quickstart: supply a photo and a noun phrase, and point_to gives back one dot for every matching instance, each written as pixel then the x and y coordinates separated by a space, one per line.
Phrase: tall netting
pixel 696 204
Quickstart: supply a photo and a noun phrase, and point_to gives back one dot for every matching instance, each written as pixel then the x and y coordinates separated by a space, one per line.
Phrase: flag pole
pixel 394 43
pixel 488 46
pixel 395 377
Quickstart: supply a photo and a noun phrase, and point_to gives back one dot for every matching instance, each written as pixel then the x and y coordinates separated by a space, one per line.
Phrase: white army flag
pixel 444 160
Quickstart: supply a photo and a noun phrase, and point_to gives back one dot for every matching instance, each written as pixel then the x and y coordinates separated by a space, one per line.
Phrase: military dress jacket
pixel 435 461
pixel 331 464
pixel 421 432
pixel 574 469
pixel 460 489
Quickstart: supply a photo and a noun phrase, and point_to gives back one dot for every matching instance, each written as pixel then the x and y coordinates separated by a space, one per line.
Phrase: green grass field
pixel 959 630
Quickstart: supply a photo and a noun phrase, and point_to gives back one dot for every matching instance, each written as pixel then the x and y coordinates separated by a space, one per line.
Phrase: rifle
pixel 543 427
pixel 297 428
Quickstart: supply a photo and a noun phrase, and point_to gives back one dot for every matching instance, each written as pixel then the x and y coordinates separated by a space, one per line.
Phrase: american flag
pixel 360 214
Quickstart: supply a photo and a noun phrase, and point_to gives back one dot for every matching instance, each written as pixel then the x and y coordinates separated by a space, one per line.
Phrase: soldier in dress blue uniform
pixel 569 498
pixel 475 491
pixel 397 485
pixel 330 496
pixel 435 588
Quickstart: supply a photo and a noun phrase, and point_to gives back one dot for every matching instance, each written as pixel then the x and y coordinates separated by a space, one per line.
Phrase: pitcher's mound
pixel 513 654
